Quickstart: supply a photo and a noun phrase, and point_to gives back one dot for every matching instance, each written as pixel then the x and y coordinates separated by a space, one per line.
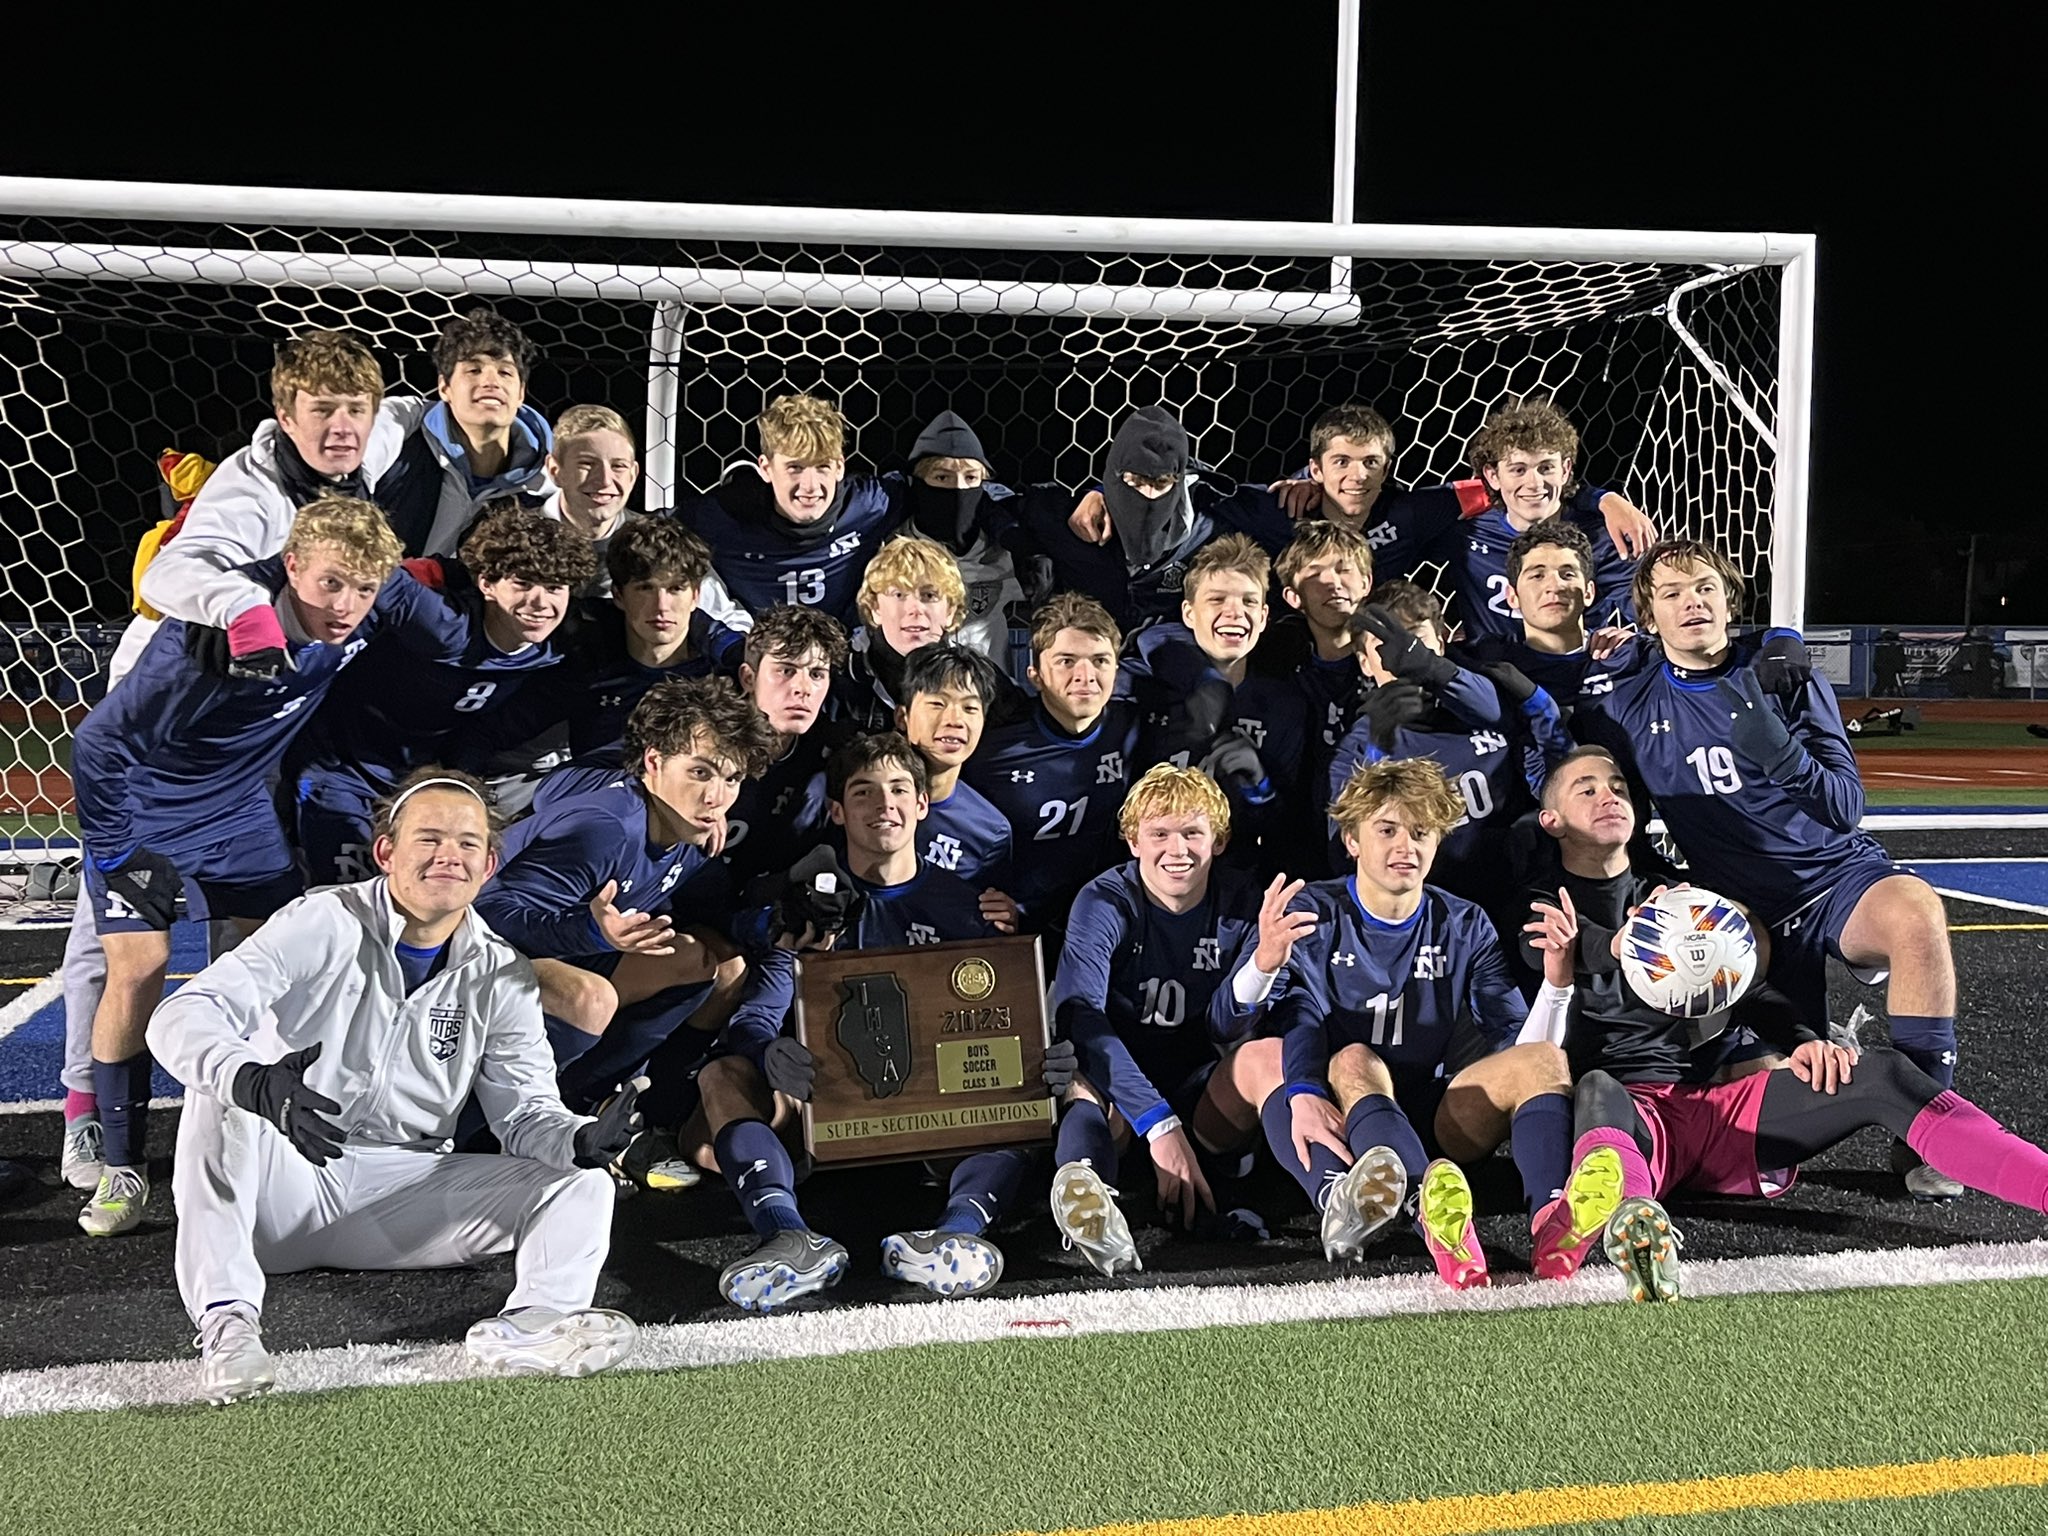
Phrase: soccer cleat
pixel 1085 1210
pixel 83 1145
pixel 1565 1229
pixel 233 1364
pixel 117 1203
pixel 538 1341
pixel 944 1263
pixel 655 1162
pixel 792 1263
pixel 1447 1229
pixel 1924 1182
pixel 1643 1245
pixel 1366 1198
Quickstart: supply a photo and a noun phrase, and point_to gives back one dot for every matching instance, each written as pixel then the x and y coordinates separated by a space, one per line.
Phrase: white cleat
pixel 535 1341
pixel 1924 1182
pixel 117 1203
pixel 233 1364
pixel 944 1263
pixel 1366 1198
pixel 83 1146
pixel 1085 1210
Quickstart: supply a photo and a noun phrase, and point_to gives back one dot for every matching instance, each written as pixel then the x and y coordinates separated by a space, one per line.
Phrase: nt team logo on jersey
pixel 444 1032
pixel 874 1029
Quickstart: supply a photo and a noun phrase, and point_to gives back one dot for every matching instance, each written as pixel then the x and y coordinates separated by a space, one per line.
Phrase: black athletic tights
pixel 1795 1122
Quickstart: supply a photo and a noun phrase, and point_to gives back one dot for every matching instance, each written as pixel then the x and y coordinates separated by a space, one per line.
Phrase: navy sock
pixel 566 1041
pixel 1542 1143
pixel 122 1088
pixel 982 1188
pixel 1928 1043
pixel 1377 1121
pixel 1324 1166
pixel 757 1167
pixel 1084 1135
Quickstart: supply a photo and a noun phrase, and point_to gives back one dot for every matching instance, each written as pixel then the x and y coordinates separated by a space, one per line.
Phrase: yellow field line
pixel 1998 927
pixel 1474 1513
pixel 32 981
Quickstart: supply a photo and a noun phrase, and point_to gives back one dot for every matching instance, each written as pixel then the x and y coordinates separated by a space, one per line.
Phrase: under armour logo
pixel 922 933
pixel 1343 959
pixel 1110 770
pixel 1022 775
pixel 1478 546
pixel 625 886
pixel 1659 725
pixel 610 700
pixel 1208 955
pixel 1485 743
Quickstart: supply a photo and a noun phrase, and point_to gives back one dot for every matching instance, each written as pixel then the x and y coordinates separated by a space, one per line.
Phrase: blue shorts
pixel 238 877
pixel 649 1034
pixel 334 818
pixel 1802 942
pixel 1419 1094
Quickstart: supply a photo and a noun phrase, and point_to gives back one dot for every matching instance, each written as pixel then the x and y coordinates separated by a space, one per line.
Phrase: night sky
pixel 1902 145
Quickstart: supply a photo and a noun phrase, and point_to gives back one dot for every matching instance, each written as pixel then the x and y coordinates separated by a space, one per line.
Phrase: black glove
pixel 1782 664
pixel 599 1141
pixel 819 896
pixel 206 647
pixel 278 1093
pixel 1061 1062
pixel 789 1067
pixel 1234 764
pixel 1400 652
pixel 1391 706
pixel 1760 738
pixel 149 883
pixel 1514 685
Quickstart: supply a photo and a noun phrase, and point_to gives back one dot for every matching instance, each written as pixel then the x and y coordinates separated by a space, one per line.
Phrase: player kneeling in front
pixel 1401 1031
pixel 1645 1131
pixel 1145 993
pixel 394 1003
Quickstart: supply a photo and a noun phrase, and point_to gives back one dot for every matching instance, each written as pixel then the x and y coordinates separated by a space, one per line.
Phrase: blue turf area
pixel 2021 880
pixel 32 1056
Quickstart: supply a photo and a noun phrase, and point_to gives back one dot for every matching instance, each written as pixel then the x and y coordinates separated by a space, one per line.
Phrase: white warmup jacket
pixel 992 585
pixel 401 1068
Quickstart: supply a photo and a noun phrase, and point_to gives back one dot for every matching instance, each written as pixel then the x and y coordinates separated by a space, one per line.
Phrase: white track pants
pixel 249 1205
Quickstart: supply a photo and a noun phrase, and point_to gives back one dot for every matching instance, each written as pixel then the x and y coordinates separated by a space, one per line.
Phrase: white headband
pixel 433 783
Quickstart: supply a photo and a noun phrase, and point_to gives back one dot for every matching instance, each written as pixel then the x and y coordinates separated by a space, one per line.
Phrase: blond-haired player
pixel 172 774
pixel 1144 992
pixel 1406 1048
pixel 910 596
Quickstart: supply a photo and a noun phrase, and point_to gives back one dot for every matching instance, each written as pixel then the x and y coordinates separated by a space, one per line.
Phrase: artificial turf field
pixel 1073 1421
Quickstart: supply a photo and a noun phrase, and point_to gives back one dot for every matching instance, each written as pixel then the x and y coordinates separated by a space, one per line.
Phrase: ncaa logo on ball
pixel 973 980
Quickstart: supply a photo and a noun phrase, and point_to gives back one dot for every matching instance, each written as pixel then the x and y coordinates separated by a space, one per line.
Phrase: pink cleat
pixel 1566 1229
pixel 1447 1228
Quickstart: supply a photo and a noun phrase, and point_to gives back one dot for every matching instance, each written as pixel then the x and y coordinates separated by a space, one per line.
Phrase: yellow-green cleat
pixel 1447 1229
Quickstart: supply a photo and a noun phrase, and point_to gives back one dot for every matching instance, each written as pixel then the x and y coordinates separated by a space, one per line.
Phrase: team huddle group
pixel 1311 876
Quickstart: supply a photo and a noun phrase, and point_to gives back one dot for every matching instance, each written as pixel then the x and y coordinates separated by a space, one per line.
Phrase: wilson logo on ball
pixel 1688 953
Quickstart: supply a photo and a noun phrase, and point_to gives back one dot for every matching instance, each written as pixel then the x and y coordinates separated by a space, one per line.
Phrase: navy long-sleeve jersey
pixel 965 835
pixel 765 559
pixel 1476 552
pixel 1061 795
pixel 1570 679
pixel 1773 846
pixel 1144 993
pixel 777 818
pixel 589 826
pixel 1429 996
pixel 175 759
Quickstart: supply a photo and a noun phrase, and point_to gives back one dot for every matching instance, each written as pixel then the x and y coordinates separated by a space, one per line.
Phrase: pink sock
pixel 1960 1140
pixel 77 1104
pixel 1635 1173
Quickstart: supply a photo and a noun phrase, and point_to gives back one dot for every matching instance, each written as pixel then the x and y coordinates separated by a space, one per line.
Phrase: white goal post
pixel 136 317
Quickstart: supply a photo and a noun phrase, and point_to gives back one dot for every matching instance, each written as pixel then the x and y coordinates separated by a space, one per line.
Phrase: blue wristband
pixel 1296 1090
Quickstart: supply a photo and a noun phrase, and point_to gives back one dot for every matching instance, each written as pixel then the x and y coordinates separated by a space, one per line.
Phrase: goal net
pixel 123 336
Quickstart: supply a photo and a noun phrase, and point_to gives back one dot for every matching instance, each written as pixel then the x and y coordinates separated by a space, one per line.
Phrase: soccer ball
pixel 1688 953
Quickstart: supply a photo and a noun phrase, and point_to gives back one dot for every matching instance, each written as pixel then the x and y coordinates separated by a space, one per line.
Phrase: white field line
pixel 857 1330
pixel 18 1011
pixel 51 1106
pixel 1974 861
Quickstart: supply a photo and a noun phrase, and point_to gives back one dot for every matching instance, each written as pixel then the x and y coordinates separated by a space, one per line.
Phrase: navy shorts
pixel 241 877
pixel 1802 942
pixel 335 834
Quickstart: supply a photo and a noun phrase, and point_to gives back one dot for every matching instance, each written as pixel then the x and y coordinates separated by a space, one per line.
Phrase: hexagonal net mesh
pixel 119 340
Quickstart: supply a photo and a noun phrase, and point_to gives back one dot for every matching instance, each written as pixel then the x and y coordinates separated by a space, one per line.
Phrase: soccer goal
pixel 136 318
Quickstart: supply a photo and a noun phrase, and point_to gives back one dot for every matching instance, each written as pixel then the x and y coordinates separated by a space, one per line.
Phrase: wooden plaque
pixel 930 1048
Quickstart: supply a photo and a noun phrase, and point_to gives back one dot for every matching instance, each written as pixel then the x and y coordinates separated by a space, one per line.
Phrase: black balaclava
pixel 1151 442
pixel 944 513
pixel 305 484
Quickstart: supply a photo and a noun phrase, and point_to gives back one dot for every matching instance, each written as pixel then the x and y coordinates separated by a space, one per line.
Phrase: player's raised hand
pixel 999 911
pixel 1629 527
pixel 1555 931
pixel 1279 929
pixel 714 842
pixel 604 1138
pixel 1822 1065
pixel 1179 1175
pixel 1297 498
pixel 1630 916
pixel 630 932
pixel 256 645
pixel 1783 665
pixel 1316 1122
pixel 1760 738
pixel 1090 520
pixel 1401 653
pixel 1610 638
